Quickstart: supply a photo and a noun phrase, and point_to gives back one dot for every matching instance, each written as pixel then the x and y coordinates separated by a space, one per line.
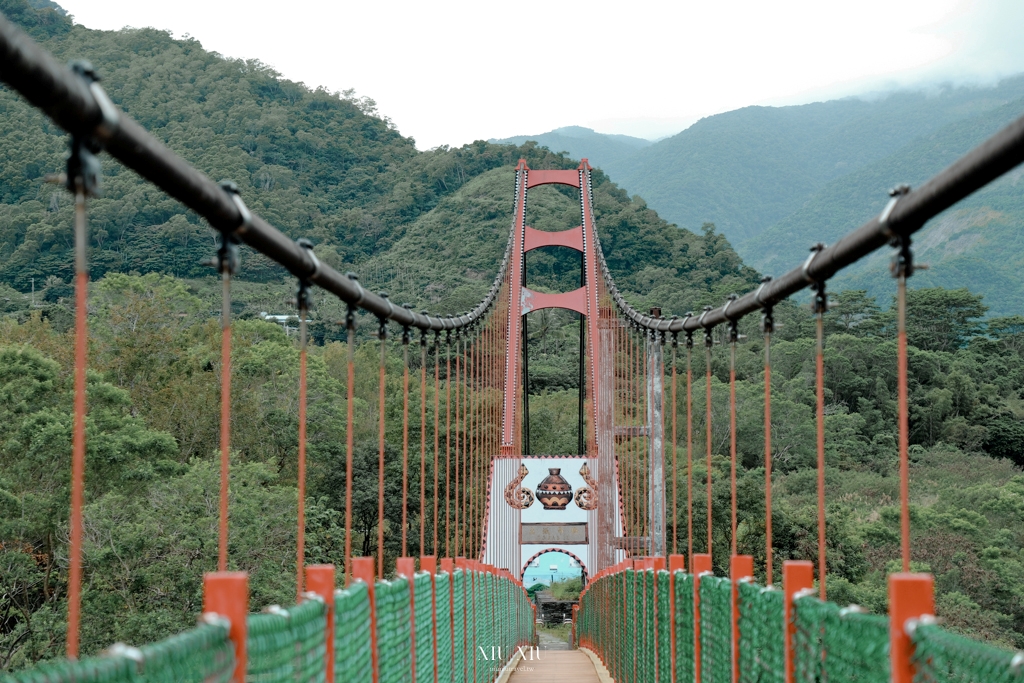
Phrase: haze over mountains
pixel 775 180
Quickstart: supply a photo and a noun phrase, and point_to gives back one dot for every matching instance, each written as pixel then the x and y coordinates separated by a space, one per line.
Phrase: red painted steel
pixel 572 238
pixel 226 594
pixel 320 580
pixel 575 300
pixel 406 566
pixel 797 575
pixel 553 177
pixel 740 567
pixel 911 596
pixel 362 570
pixel 701 565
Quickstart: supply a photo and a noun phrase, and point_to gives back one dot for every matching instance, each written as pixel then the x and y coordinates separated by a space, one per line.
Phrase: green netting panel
pixel 762 634
pixel 270 646
pixel 685 662
pixel 394 631
pixel 89 670
pixel 309 626
pixel 630 631
pixel 715 630
pixel 647 596
pixel 353 658
pixel 424 615
pixel 839 645
pixel 442 585
pixel 664 630
pixel 459 626
pixel 200 654
pixel 944 657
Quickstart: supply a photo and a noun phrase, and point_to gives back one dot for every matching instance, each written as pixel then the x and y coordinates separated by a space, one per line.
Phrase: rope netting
pixel 945 657
pixel 201 655
pixel 761 625
pixel 839 644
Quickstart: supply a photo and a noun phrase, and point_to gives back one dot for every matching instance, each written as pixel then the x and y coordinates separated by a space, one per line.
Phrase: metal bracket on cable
pixel 815 250
pixel 303 295
pixel 406 336
pixel 689 333
pixel 709 340
pixel 734 331
pixel 382 329
pixel 819 304
pixel 228 260
pixel 423 332
pixel 83 166
pixel 767 317
pixel 903 262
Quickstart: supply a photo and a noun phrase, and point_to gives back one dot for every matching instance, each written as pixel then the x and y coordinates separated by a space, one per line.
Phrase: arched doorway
pixel 547 567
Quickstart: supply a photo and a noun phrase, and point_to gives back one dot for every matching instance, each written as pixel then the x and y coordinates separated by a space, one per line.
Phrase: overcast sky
pixel 453 71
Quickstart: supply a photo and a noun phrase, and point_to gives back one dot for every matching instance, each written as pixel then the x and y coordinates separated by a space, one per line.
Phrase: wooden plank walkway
pixel 556 666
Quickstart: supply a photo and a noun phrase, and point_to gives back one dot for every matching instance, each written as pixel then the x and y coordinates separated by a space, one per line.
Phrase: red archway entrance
pixel 583 566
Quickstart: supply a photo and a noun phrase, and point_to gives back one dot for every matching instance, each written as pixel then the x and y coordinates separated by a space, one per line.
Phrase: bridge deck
pixel 558 666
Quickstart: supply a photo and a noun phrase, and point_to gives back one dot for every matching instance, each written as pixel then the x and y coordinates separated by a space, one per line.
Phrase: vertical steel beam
pixel 607 485
pixel 656 446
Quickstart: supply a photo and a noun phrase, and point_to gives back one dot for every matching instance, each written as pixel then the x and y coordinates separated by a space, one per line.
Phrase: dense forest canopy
pixel 430 228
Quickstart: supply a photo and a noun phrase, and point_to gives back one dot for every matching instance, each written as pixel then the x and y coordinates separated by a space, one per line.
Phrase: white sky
pixel 453 71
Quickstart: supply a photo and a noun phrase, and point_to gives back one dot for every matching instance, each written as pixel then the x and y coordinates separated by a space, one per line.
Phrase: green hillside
pixel 603 150
pixel 978 244
pixel 748 169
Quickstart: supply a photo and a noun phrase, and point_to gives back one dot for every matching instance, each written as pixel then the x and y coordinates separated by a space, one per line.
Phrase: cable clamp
pixel 895 195
pixel 815 250
pixel 307 246
pixel 231 188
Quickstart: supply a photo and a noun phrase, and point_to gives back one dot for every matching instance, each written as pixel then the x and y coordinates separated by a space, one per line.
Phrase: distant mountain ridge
pixel 602 150
pixel 774 180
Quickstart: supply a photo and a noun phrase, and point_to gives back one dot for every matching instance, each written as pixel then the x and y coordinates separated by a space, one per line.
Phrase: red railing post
pixel 363 570
pixel 226 594
pixel 406 566
pixel 428 564
pixel 701 565
pixel 320 580
pixel 797 575
pixel 911 596
pixel 676 563
pixel 740 567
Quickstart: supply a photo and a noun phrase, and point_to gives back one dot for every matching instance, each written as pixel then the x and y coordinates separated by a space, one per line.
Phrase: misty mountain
pixel 748 169
pixel 601 150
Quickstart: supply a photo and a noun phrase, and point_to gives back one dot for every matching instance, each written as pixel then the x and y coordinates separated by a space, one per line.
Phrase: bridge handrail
pixel 906 213
pixel 83 109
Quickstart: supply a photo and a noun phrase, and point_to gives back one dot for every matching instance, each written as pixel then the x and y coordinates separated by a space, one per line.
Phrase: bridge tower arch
pixel 590 529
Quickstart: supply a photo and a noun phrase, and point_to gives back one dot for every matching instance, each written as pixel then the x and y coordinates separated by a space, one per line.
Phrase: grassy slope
pixel 975 244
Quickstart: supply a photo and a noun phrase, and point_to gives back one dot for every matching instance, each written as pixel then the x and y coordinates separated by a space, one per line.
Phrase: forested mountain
pixel 429 227
pixel 775 180
pixel 604 151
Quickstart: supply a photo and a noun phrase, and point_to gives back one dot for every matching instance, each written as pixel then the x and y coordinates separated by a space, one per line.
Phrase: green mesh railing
pixel 833 644
pixel 424 615
pixel 353 658
pixel 492 616
pixel 684 623
pixel 200 654
pixel 459 626
pixel 664 628
pixel 394 631
pixel 944 657
pixel 715 630
pixel 287 645
pixel 762 631
pixel 445 655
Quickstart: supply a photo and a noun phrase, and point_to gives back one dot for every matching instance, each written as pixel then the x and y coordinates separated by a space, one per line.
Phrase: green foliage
pixel 568 589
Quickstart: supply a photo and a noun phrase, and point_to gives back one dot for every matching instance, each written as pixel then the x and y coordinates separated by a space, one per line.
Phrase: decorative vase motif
pixel 519 497
pixel 586 496
pixel 554 492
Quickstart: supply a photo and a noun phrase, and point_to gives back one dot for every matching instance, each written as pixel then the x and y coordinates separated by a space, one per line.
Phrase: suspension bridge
pixel 651 610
